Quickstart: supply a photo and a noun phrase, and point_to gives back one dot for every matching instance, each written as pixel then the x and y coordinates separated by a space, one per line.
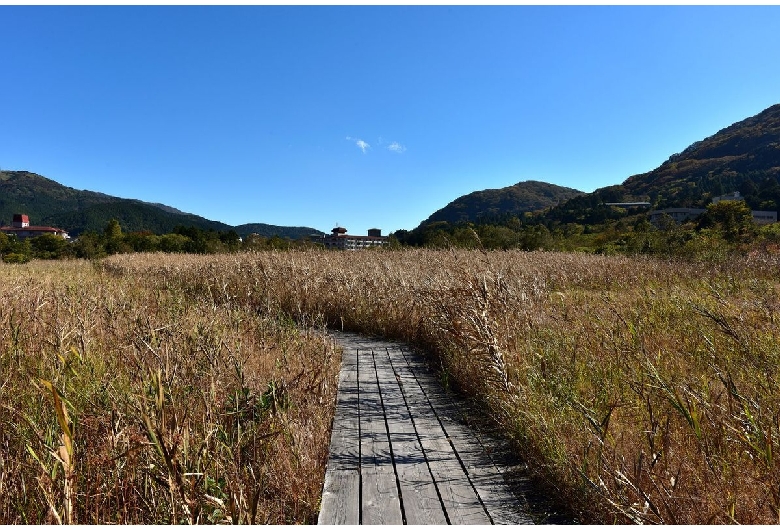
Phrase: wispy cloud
pixel 364 146
pixel 396 147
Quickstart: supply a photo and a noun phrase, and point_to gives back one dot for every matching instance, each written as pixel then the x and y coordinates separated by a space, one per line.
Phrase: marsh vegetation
pixel 198 388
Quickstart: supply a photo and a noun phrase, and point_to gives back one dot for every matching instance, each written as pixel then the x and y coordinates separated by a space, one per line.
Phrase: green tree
pixel 733 219
pixel 114 239
pixel 498 237
pixel 173 243
pixel 14 257
pixel 49 246
pixel 17 251
pixel 534 237
pixel 230 239
pixel 113 230
pixel 142 241
pixel 89 245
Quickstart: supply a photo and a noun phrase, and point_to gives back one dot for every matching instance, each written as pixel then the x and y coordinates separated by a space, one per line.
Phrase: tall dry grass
pixel 640 390
pixel 129 399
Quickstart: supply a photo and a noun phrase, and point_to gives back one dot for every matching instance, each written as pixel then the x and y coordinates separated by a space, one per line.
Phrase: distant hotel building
pixel 677 214
pixel 20 227
pixel 683 214
pixel 340 240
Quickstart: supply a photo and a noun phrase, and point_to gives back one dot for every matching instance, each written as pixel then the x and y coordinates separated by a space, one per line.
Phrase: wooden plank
pixel 381 504
pixel 420 499
pixel 396 411
pixel 345 438
pixel 374 442
pixel 340 498
pixel 457 494
pixel 341 491
pixel 399 450
pixel 379 492
pixel 460 500
pixel 498 500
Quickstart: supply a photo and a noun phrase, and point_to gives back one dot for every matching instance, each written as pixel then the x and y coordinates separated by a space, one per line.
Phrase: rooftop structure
pixel 733 196
pixel 627 204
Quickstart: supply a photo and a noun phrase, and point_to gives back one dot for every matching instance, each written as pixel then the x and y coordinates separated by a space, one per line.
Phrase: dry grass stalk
pixel 646 389
pixel 154 406
pixel 641 390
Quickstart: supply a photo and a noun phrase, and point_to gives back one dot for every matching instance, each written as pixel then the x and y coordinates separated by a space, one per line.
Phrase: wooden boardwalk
pixel 398 454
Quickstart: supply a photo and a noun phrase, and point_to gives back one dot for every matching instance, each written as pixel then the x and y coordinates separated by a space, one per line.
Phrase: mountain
pixel 742 157
pixel 47 202
pixel 498 204
pixel 293 232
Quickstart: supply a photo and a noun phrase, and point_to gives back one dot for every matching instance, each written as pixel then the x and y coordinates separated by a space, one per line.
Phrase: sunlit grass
pixel 639 390
pixel 129 401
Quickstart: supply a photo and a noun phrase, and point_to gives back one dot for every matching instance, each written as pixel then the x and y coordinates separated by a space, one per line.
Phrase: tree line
pixel 724 228
pixel 112 240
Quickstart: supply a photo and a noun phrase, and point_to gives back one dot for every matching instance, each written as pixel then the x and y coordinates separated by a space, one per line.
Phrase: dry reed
pixel 640 390
pixel 128 401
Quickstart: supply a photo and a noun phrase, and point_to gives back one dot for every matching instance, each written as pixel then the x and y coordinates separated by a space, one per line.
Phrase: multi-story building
pixel 761 217
pixel 677 214
pixel 20 227
pixel 339 239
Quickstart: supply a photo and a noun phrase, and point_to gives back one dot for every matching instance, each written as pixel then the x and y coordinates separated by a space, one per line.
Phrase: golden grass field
pixel 153 388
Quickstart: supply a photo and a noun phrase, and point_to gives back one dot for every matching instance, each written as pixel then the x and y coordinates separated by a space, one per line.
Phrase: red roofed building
pixel 20 227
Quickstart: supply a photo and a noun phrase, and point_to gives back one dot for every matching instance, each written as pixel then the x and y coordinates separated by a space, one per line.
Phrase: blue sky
pixel 368 116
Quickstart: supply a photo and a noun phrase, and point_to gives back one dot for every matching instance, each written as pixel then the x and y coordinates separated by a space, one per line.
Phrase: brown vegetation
pixel 125 400
pixel 641 390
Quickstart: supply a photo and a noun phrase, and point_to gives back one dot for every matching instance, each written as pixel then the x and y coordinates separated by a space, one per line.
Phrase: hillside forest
pixel 723 230
pixel 113 240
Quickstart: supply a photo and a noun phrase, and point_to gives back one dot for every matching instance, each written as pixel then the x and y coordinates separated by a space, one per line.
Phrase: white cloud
pixel 396 147
pixel 360 143
pixel 364 146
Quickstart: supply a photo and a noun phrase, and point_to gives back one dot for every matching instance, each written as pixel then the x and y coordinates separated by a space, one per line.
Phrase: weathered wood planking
pixel 401 455
pixel 458 496
pixel 421 502
pixel 341 491
pixel 498 500
pixel 340 498
pixel 380 500
pixel 345 438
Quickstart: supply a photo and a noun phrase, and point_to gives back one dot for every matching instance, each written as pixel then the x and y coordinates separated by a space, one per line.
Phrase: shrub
pixel 14 257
